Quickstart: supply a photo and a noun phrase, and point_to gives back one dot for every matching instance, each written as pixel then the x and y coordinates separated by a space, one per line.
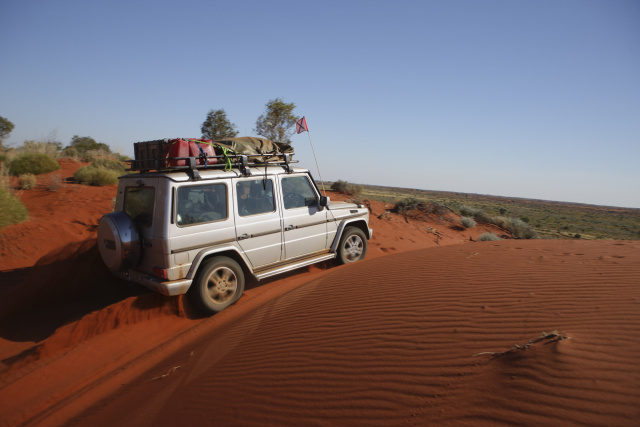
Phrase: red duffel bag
pixel 201 149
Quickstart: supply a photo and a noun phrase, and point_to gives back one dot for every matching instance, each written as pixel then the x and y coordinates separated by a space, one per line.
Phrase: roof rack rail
pixel 154 156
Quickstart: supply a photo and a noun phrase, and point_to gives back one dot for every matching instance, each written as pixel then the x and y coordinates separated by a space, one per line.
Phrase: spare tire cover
pixel 118 241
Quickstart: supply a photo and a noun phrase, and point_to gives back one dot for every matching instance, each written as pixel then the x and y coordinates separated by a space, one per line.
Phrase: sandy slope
pixel 393 340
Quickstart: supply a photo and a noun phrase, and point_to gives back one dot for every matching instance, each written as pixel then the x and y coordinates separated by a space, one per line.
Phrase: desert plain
pixel 432 328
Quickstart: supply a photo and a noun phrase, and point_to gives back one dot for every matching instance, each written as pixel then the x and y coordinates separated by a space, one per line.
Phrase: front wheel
pixel 353 245
pixel 219 284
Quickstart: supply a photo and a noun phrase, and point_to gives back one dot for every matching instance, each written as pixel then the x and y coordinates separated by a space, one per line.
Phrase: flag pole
pixel 301 126
pixel 317 167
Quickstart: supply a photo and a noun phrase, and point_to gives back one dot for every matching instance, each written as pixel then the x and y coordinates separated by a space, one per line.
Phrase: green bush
pixel 108 163
pixel 70 152
pixel 476 213
pixel 34 163
pixel 488 237
pixel 521 229
pixel 91 156
pixel 408 204
pixel 43 147
pixel 27 181
pixel 517 227
pixel 344 187
pixel 340 186
pixel 96 176
pixel 13 211
pixel 467 222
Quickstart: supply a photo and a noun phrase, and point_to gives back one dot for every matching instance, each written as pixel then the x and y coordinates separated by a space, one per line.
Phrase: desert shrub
pixel 521 229
pixel 27 181
pixel 91 156
pixel 487 237
pixel 49 148
pixel 34 163
pixel 70 152
pixel 13 210
pixel 53 182
pixel 476 213
pixel 516 226
pixel 408 204
pixel 344 187
pixel 340 186
pixel 108 163
pixel 96 176
pixel 467 222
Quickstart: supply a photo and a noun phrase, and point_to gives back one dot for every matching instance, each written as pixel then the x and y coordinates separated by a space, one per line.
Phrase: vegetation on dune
pixel 79 145
pixel 488 237
pixel 38 157
pixel 6 127
pixel 27 181
pixel 421 210
pixel 346 188
pixel 102 171
pixel 96 176
pixel 550 220
pixel 467 222
pixel 13 210
pixel 33 163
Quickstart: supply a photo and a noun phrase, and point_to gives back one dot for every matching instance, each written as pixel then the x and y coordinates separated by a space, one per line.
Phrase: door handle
pixel 291 227
pixel 244 236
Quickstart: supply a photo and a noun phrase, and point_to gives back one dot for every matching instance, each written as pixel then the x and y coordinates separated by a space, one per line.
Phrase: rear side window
pixel 255 197
pixel 138 204
pixel 202 203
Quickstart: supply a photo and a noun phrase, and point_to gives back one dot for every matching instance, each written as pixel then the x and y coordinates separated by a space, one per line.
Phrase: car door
pixel 258 222
pixel 304 222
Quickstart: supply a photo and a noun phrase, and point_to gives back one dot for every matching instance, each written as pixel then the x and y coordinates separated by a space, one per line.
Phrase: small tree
pixel 5 129
pixel 277 120
pixel 82 144
pixel 217 126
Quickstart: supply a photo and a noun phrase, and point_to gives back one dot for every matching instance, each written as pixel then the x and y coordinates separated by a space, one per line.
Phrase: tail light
pixel 160 272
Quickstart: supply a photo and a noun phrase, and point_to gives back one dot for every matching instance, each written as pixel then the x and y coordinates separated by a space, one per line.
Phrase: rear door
pixel 305 225
pixel 258 222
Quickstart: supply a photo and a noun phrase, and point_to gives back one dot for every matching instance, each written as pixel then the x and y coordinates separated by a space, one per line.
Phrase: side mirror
pixel 324 201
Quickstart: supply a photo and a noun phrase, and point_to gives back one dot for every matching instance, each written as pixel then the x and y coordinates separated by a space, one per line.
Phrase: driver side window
pixel 297 192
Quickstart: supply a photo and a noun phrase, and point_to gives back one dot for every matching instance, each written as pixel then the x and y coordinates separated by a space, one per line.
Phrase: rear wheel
pixel 353 245
pixel 219 284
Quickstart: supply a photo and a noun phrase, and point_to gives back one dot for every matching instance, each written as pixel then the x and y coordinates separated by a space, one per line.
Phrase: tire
pixel 353 246
pixel 219 284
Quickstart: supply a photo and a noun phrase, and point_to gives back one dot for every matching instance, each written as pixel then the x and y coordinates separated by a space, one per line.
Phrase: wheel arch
pixel 232 253
pixel 358 223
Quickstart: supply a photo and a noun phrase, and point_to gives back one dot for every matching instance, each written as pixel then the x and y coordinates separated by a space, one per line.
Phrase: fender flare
pixel 360 223
pixel 226 250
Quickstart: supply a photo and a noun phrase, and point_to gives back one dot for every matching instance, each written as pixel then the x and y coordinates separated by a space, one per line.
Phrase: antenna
pixel 301 126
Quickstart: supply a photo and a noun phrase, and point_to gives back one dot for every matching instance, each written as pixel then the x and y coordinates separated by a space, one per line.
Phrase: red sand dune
pixel 422 332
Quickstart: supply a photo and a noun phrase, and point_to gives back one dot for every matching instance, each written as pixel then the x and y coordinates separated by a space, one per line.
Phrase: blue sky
pixel 536 99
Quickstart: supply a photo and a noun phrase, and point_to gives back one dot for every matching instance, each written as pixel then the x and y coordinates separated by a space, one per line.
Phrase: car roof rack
pixel 150 157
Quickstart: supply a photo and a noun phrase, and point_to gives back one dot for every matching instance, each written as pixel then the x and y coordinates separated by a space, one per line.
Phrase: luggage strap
pixel 202 153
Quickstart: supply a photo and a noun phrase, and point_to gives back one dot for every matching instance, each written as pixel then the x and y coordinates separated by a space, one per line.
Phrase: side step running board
pixel 279 268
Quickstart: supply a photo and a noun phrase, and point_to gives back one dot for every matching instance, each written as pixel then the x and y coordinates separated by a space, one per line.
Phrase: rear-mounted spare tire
pixel 118 241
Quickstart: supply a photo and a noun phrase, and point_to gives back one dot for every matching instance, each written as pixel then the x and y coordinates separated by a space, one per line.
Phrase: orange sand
pixel 406 337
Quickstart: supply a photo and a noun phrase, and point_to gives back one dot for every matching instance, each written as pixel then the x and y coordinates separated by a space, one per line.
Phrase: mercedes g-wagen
pixel 200 224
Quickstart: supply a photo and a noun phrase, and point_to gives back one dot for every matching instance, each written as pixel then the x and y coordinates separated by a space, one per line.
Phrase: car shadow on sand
pixel 63 286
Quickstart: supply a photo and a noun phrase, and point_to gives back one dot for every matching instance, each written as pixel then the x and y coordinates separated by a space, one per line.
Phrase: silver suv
pixel 200 232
